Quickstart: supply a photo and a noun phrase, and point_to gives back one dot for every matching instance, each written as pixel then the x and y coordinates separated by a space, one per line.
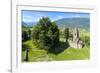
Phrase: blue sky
pixel 34 16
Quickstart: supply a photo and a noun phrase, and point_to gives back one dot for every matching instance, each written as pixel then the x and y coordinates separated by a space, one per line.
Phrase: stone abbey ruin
pixel 77 43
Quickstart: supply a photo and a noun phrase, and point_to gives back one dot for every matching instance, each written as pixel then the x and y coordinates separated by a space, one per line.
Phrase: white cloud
pixel 60 17
pixel 39 14
pixel 33 18
pixel 76 16
pixel 27 18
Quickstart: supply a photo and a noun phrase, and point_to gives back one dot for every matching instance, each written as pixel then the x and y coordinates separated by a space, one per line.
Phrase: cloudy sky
pixel 34 16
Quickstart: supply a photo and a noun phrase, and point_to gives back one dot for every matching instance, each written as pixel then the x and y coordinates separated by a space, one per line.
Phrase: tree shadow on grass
pixel 60 48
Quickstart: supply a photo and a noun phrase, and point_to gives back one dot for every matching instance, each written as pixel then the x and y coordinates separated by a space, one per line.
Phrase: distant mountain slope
pixel 28 24
pixel 73 22
pixel 66 22
pixel 24 24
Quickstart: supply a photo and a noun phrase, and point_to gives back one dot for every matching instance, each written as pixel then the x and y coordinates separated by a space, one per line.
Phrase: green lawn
pixel 36 54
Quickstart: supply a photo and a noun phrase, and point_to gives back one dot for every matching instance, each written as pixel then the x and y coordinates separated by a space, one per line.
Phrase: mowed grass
pixel 35 54
pixel 73 54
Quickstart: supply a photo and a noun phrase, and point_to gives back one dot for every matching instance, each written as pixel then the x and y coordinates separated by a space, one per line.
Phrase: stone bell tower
pixel 75 37
pixel 77 43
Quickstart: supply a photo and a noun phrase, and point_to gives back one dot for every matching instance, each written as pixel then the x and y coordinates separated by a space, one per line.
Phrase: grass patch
pixel 70 53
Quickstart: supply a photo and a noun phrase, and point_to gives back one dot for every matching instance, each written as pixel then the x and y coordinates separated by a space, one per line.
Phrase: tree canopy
pixel 45 34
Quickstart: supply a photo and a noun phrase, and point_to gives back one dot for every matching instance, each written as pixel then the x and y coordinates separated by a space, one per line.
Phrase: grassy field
pixel 35 54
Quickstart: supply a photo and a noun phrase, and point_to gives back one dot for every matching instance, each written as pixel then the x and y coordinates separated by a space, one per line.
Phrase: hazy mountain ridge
pixel 28 24
pixel 73 22
pixel 66 22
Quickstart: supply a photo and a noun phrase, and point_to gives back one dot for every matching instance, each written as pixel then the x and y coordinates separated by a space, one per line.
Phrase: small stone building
pixel 77 43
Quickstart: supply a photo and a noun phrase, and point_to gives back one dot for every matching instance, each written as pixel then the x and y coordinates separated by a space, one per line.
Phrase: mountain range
pixel 67 22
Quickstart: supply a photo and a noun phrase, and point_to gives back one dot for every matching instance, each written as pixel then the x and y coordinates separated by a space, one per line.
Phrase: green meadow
pixel 36 54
